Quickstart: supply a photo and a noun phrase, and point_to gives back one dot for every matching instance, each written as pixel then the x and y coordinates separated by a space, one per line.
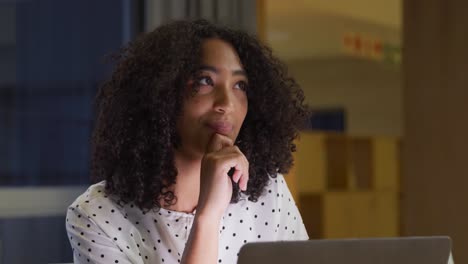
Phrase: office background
pixel 386 80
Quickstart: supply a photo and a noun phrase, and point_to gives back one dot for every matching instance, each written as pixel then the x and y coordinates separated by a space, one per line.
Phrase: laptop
pixel 401 250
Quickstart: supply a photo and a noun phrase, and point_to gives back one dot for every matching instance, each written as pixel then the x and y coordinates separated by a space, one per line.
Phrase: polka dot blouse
pixel 101 231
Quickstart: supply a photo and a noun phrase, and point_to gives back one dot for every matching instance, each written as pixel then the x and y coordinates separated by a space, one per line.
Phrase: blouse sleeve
pixel 291 224
pixel 450 260
pixel 89 243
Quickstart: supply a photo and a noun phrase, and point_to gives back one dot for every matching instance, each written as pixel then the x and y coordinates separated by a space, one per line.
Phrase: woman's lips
pixel 221 127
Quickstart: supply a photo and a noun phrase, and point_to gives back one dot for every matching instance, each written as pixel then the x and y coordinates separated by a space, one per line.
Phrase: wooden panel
pixel 386 164
pixel 311 209
pixel 362 214
pixel 361 172
pixel 337 162
pixel 387 214
pixel 374 214
pixel 435 179
pixel 336 215
pixel 310 163
pixel 350 214
pixel 336 184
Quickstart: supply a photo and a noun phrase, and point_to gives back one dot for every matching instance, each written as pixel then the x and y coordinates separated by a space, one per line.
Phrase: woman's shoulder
pixel 277 185
pixel 274 189
pixel 94 197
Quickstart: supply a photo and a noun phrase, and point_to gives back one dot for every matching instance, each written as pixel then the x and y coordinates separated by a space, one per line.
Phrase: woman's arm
pixel 90 244
pixel 202 244
pixel 215 195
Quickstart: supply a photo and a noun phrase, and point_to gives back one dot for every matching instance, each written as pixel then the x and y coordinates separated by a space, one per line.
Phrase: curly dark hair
pixel 135 133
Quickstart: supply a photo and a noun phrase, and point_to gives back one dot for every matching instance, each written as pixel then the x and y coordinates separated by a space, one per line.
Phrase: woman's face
pixel 216 99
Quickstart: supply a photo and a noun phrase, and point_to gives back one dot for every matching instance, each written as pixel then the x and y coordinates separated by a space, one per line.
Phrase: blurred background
pixel 384 152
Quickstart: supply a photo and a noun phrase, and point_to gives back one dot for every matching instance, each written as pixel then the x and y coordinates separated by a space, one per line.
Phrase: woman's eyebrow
pixel 215 70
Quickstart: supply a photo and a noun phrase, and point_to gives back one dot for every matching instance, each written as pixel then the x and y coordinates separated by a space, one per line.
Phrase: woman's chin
pixel 195 153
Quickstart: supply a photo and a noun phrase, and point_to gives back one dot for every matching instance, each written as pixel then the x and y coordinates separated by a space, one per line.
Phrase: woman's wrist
pixel 207 219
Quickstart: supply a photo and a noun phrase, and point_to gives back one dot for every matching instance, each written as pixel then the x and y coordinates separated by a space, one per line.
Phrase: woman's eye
pixel 202 85
pixel 242 85
pixel 204 81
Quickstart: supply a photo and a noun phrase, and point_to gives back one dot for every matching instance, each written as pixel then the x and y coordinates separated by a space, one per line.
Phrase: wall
pixel 299 29
pixel 308 35
pixel 370 91
pixel 383 12
pixel 435 171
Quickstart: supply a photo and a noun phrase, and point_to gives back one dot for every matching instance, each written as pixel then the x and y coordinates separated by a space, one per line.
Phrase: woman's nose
pixel 224 100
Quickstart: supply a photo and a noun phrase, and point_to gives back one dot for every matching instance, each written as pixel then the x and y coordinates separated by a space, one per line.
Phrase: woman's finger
pixel 243 181
pixel 237 175
pixel 218 142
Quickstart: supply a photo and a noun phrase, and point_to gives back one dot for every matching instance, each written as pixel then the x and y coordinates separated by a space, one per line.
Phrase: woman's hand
pixel 215 184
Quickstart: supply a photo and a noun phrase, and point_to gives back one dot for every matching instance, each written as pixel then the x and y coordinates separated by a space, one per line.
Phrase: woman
pixel 193 132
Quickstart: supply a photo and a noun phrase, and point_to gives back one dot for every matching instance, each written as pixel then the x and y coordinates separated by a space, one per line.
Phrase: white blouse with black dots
pixel 101 231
